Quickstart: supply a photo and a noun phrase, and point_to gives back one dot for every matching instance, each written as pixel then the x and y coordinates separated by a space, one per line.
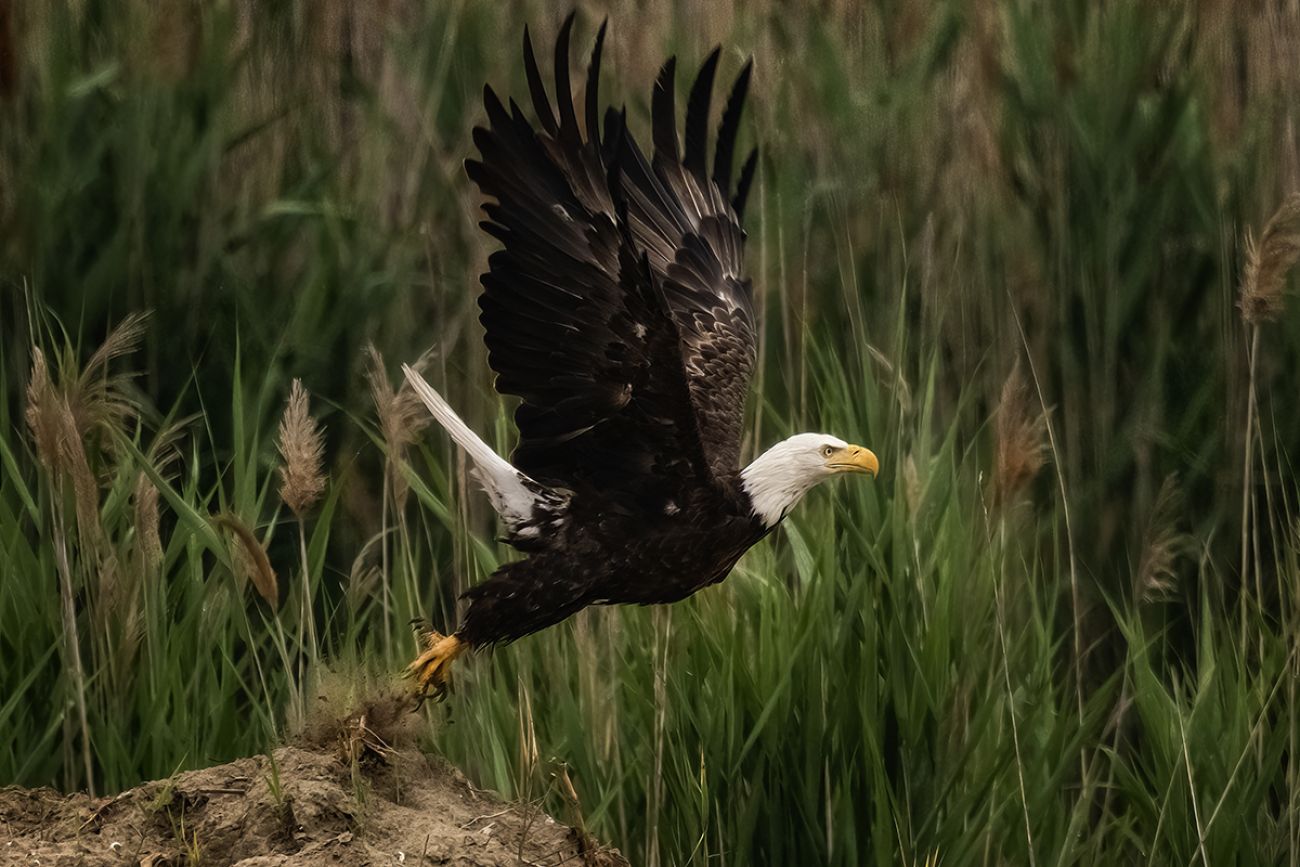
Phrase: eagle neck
pixel 774 486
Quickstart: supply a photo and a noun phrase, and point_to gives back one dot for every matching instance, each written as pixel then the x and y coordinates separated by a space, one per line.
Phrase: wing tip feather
pixel 541 102
pixel 697 115
pixel 727 133
pixel 663 111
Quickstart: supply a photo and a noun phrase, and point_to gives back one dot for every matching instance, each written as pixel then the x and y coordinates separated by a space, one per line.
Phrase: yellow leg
pixel 431 670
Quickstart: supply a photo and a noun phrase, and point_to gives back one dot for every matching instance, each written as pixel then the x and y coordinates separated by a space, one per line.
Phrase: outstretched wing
pixel 688 222
pixel 604 310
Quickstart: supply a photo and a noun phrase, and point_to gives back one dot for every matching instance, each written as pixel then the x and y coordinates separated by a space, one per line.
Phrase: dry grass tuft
pixel 360 718
pixel 65 414
pixel 1163 544
pixel 257 566
pixel 301 445
pixel 1267 263
pixel 1019 429
pixel 73 418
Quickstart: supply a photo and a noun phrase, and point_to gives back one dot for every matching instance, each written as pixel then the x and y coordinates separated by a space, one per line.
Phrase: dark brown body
pixel 614 559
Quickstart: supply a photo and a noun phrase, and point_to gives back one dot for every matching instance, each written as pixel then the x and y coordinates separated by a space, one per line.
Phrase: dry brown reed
pixel 1018 429
pixel 144 501
pixel 302 446
pixel 256 565
pixel 1268 262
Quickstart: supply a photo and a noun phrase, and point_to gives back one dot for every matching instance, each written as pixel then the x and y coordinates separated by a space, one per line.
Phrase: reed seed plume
pixel 163 452
pixel 1163 545
pixel 102 402
pixel 144 501
pixel 301 445
pixel 124 339
pixel 257 566
pixel 1267 263
pixel 401 414
pixel 75 464
pixel 42 413
pixel 1019 429
pixel 59 445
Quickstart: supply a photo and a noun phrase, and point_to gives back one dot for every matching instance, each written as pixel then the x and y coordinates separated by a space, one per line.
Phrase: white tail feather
pixel 504 484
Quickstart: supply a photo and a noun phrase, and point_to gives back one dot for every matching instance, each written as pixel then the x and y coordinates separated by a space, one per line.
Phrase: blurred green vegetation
pixel 1003 244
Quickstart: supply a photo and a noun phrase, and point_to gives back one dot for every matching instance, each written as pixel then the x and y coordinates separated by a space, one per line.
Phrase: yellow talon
pixel 431 670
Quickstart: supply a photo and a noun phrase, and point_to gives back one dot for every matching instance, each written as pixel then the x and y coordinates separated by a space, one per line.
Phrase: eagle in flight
pixel 618 312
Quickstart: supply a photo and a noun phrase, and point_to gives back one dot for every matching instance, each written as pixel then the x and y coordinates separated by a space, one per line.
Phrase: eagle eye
pixel 828 450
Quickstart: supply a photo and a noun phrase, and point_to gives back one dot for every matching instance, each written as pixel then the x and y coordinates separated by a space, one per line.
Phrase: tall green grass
pixel 1002 246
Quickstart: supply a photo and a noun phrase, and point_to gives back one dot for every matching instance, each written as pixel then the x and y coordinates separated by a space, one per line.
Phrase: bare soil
pixel 352 802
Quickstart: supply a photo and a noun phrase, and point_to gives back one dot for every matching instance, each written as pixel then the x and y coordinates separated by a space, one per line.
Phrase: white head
pixel 778 478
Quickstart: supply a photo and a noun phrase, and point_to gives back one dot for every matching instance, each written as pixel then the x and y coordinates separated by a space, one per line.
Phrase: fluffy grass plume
pixel 401 416
pixel 1019 439
pixel 302 446
pixel 1268 261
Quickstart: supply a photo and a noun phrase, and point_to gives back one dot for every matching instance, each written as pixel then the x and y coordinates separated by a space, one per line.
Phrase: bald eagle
pixel 618 313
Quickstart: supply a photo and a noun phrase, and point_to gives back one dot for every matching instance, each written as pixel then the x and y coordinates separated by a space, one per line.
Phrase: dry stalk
pixel 401 418
pixel 302 483
pixel 73 645
pixel 1263 282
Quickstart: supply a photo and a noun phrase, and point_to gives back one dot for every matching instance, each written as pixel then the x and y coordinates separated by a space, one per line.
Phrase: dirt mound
pixel 307 806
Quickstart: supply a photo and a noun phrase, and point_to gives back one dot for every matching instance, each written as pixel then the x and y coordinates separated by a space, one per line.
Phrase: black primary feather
pixel 541 104
pixel 593 87
pixel 663 111
pixel 697 116
pixel 563 90
pixel 727 132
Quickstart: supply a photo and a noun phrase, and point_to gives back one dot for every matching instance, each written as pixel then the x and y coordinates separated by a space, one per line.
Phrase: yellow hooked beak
pixel 854 459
